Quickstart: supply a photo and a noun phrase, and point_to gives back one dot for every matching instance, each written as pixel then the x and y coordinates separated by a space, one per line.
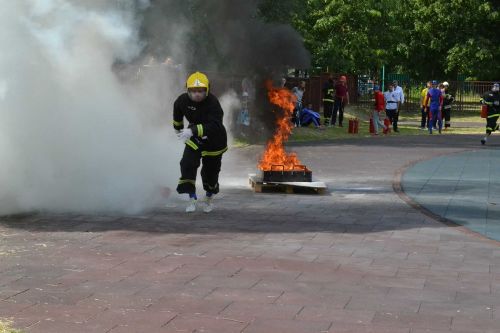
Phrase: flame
pixel 275 154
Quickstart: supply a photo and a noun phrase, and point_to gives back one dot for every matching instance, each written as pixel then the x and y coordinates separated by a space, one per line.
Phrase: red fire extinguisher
pixel 353 126
pixel 387 123
pixel 484 111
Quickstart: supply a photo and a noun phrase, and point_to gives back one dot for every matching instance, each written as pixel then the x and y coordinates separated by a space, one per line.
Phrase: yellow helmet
pixel 197 80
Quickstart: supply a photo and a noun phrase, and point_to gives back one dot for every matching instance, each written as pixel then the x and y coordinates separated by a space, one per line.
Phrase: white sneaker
pixel 192 206
pixel 209 205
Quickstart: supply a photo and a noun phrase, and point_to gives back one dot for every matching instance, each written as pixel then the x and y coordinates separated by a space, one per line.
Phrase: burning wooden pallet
pixel 259 186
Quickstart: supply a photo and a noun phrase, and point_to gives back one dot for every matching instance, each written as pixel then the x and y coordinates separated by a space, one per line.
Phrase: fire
pixel 275 154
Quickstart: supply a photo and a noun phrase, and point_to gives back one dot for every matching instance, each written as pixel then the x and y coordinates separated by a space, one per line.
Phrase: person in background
pixel 492 101
pixel 435 100
pixel 448 99
pixel 400 96
pixel 298 91
pixel 391 104
pixel 424 123
pixel 379 107
pixel 341 99
pixel 283 82
pixel 308 116
pixel 328 99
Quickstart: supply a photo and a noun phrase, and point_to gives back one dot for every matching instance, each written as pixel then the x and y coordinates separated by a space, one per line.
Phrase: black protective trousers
pixel 491 125
pixel 327 110
pixel 210 170
pixel 447 117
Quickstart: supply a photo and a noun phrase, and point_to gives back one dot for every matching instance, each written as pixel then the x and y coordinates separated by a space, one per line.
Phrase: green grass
pixel 306 134
pixel 5 327
pixel 456 116
pixel 311 134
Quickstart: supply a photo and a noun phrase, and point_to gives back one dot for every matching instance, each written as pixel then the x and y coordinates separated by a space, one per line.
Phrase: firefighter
pixel 492 100
pixel 205 139
pixel 328 99
pixel 448 99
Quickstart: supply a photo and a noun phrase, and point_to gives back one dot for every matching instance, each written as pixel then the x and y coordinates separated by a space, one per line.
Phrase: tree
pixel 424 38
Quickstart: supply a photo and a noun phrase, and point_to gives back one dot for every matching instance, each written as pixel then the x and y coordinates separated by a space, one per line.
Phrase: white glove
pixel 185 134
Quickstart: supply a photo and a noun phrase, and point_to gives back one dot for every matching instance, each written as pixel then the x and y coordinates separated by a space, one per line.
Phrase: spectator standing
pixel 424 123
pixel 298 91
pixel 379 107
pixel 400 96
pixel 283 82
pixel 435 100
pixel 391 105
pixel 341 99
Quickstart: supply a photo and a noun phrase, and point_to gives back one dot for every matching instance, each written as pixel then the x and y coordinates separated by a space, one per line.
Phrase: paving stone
pixel 356 260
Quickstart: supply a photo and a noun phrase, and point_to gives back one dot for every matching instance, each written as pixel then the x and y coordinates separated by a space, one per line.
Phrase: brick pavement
pixel 356 260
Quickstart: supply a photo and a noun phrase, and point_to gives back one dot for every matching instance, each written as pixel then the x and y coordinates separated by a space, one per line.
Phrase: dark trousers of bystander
pixel 393 116
pixel 424 123
pixel 338 107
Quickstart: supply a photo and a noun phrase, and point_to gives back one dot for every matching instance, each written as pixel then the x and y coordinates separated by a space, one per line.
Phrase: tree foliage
pixel 424 38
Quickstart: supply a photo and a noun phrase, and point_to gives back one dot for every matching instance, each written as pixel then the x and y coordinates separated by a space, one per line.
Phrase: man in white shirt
pixel 399 90
pixel 400 97
pixel 392 103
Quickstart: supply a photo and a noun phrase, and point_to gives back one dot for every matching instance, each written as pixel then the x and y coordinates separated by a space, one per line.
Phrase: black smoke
pixel 228 38
pixel 221 35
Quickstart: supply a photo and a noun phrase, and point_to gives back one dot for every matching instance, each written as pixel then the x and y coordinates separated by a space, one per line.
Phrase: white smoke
pixel 73 137
pixel 231 105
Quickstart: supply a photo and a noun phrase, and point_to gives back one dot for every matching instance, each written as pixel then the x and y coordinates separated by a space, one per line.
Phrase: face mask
pixel 197 96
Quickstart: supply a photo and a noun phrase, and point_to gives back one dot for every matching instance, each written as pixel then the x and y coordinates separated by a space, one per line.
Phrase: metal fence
pixel 467 94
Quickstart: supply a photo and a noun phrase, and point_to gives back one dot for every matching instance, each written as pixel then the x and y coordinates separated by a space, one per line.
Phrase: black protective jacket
pixel 448 99
pixel 492 99
pixel 328 92
pixel 205 120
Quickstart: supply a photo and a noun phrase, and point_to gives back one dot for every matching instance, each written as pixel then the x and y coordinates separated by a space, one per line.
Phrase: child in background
pixel 379 107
